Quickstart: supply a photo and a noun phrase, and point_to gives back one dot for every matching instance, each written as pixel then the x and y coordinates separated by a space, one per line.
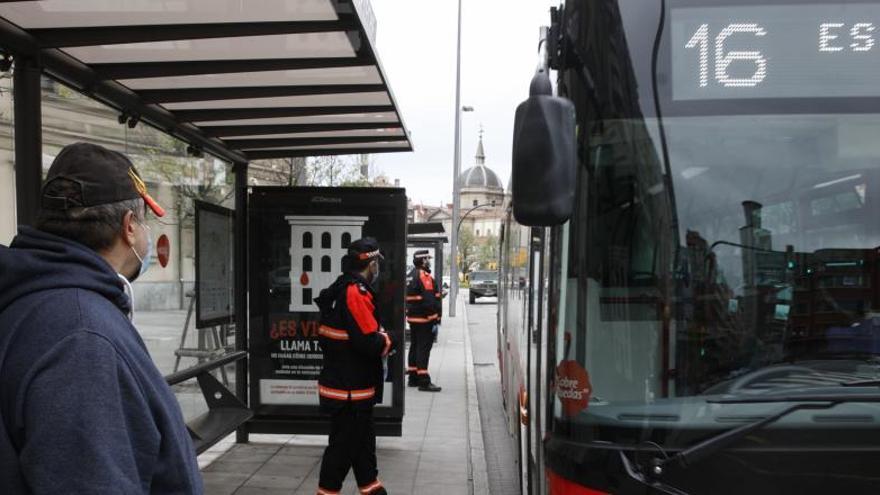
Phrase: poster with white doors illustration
pixel 317 245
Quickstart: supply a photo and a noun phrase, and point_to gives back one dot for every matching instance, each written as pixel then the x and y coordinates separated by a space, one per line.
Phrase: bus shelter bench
pixel 225 411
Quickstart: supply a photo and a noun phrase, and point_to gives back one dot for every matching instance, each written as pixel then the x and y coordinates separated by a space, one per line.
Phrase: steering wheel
pixel 765 373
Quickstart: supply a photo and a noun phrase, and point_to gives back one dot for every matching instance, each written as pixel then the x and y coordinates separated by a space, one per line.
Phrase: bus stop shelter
pixel 241 81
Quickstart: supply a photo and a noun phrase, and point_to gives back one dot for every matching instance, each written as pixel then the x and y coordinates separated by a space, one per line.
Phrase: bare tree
pixel 467 250
pixel 202 179
pixel 292 171
pixel 488 252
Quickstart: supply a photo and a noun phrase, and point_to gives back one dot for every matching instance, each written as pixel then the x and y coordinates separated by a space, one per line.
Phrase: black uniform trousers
pixel 352 446
pixel 421 342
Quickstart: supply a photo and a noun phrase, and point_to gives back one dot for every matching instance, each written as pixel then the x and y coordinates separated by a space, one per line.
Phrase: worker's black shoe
pixel 412 381
pixel 429 387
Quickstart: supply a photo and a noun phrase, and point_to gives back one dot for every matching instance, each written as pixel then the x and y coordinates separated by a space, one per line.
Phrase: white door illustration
pixel 317 245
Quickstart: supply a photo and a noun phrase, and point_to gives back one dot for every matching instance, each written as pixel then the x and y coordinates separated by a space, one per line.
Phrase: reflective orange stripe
pixel 332 333
pixel 371 487
pixel 414 298
pixel 367 393
pixel 335 393
pixel 322 491
pixel 422 372
pixel 420 319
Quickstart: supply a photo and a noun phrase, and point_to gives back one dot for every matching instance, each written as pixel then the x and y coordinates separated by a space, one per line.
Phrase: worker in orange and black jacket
pixel 351 382
pixel 424 309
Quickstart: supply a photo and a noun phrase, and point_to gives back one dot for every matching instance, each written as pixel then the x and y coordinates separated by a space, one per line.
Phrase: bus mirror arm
pixel 643 481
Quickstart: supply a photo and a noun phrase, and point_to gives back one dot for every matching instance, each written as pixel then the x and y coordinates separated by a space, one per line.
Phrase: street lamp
pixel 454 253
pixel 457 228
pixel 456 170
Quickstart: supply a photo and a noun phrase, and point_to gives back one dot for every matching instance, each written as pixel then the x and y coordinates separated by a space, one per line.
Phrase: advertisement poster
pixel 215 276
pixel 299 237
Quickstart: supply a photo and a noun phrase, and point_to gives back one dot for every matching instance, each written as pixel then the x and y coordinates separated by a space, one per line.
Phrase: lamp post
pixel 456 233
pixel 456 170
pixel 458 227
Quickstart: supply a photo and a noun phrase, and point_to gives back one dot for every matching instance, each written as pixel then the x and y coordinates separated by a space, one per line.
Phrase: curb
pixel 477 469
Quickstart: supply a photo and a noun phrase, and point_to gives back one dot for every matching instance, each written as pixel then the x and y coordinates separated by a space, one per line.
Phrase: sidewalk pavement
pixel 440 452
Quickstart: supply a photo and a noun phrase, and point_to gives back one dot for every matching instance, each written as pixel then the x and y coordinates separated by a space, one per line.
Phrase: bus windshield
pixel 722 252
pixel 761 250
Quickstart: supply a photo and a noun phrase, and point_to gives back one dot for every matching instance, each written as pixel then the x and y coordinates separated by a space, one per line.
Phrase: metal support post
pixel 241 289
pixel 28 139
pixel 453 273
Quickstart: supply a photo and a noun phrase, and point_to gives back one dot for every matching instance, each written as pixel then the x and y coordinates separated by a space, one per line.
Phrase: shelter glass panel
pixel 318 119
pixel 334 44
pixel 90 13
pixel 332 75
pixel 7 156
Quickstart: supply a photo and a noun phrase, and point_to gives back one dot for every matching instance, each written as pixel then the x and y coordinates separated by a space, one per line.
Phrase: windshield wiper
pixel 695 453
pixel 861 383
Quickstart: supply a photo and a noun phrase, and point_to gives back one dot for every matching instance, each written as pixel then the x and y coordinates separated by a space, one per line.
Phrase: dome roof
pixel 480 176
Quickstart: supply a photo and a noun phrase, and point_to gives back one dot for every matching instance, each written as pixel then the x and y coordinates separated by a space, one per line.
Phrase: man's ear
pixel 128 228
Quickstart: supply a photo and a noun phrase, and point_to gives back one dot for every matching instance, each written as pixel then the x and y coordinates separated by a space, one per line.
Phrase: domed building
pixel 481 197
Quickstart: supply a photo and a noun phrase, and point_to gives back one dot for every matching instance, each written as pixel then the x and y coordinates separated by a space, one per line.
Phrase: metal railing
pixel 226 412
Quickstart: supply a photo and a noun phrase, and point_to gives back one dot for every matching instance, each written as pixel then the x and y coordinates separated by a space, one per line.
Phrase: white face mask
pixel 375 276
pixel 148 257
pixel 128 292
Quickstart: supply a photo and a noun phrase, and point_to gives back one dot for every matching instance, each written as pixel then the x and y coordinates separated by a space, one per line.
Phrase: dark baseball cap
pixel 365 249
pixel 102 176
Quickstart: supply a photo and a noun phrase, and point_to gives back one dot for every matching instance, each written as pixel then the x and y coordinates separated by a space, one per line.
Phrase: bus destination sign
pixel 776 51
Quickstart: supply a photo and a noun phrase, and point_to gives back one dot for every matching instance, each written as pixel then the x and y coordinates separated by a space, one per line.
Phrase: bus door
pixel 534 343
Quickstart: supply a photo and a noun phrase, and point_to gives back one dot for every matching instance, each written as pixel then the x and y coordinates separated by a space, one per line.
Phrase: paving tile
pixel 266 481
pixel 442 489
pixel 218 483
pixel 258 490
pixel 273 468
pixel 234 467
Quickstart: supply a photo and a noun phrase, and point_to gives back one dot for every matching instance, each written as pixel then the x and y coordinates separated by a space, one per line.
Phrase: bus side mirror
pixel 544 157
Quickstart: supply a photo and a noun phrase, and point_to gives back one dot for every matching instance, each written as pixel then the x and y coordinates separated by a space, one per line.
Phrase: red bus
pixel 689 289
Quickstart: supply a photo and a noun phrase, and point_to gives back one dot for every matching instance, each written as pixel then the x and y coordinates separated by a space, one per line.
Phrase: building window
pixel 325 240
pixel 307 263
pixel 325 263
pixel 478 232
pixel 307 240
pixel 476 202
pixel 346 240
pixel 307 296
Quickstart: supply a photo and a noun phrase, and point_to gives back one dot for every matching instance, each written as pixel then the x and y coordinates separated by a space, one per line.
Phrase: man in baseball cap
pixel 67 343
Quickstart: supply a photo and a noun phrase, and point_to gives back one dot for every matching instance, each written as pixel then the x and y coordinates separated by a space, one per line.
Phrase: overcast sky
pixel 416 45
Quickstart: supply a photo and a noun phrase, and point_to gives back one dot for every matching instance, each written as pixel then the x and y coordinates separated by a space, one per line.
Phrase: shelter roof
pixel 242 80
